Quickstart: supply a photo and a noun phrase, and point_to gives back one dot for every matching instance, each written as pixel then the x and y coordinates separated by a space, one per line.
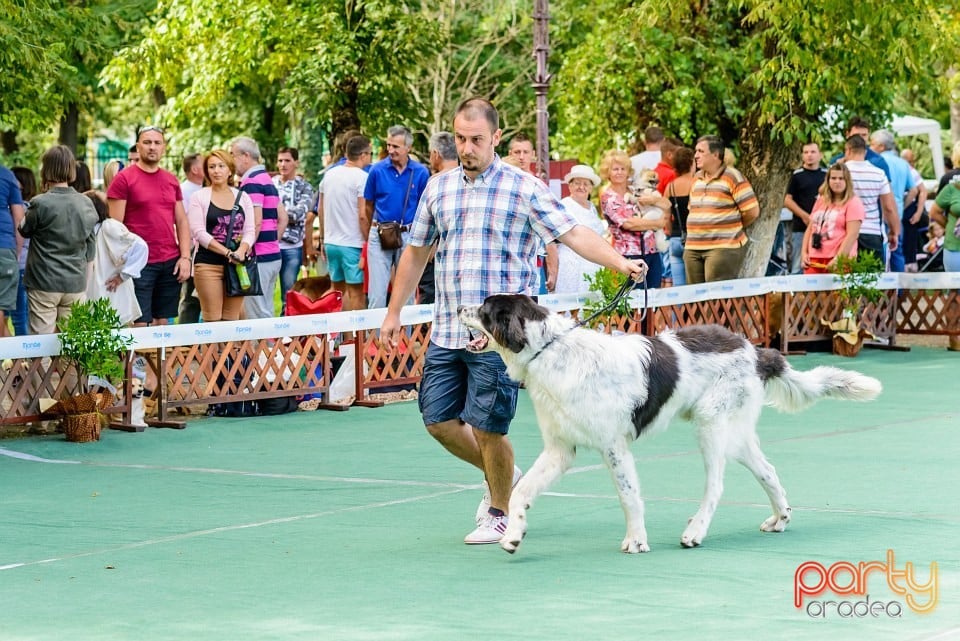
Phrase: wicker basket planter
pixel 81 415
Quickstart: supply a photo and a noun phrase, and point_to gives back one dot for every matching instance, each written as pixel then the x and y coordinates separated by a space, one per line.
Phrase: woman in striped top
pixel 722 205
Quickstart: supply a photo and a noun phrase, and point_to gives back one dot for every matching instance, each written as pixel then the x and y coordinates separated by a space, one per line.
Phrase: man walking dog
pixel 489 219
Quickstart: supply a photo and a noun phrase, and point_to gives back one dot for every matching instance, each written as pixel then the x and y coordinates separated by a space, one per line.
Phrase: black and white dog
pixel 603 392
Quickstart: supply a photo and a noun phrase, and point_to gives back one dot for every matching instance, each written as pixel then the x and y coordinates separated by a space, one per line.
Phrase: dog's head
pixel 646 181
pixel 502 322
pixel 136 388
pixel 313 287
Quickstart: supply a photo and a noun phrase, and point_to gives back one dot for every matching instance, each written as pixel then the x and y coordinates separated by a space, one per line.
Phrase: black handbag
pixel 233 283
pixel 391 236
pixel 391 233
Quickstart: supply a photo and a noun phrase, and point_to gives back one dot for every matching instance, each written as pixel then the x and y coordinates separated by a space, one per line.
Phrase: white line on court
pixel 228 528
pixel 214 470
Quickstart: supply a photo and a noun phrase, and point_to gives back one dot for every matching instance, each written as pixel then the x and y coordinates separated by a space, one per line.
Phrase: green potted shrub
pixel 606 283
pixel 858 279
pixel 91 339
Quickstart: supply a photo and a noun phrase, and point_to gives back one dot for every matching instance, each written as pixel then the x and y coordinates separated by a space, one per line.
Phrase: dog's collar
pixel 541 350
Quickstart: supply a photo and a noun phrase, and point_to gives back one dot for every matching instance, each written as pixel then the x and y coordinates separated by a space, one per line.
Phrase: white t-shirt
pixel 341 187
pixel 189 189
pixel 644 160
pixel 869 183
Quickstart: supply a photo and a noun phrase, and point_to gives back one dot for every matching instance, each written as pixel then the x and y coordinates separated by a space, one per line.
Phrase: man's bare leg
pixel 497 453
pixel 458 438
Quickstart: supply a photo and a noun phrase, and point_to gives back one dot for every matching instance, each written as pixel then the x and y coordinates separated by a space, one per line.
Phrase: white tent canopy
pixel 914 126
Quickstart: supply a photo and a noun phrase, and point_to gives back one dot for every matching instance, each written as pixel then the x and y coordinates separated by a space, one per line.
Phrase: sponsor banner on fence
pixel 265 328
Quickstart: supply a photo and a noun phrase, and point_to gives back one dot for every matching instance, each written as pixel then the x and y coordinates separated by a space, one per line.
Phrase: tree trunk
pixel 767 164
pixel 69 129
pixel 344 117
pixel 954 108
pixel 8 139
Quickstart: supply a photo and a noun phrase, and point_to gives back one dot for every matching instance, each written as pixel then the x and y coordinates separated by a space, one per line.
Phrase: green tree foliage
pixel 29 60
pixel 765 72
pixel 260 67
pixel 52 52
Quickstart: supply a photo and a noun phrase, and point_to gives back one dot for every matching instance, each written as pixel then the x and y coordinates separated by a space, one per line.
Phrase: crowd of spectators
pixel 158 247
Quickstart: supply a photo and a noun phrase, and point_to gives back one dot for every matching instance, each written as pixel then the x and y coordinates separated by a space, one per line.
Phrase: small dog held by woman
pixel 603 392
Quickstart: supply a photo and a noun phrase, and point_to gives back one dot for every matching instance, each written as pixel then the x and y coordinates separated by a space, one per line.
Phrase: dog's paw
pixel 777 522
pixel 512 538
pixel 511 544
pixel 694 534
pixel 631 545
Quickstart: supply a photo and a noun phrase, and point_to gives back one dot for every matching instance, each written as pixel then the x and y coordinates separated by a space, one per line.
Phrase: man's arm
pixel 921 203
pixel 890 216
pixel 117 209
pixel 364 213
pixel 748 216
pixel 282 220
pixel 795 209
pixel 368 208
pixel 552 266
pixel 413 260
pixel 594 248
pixel 17 212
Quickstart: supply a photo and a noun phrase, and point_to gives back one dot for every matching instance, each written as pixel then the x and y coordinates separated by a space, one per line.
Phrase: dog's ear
pixel 513 336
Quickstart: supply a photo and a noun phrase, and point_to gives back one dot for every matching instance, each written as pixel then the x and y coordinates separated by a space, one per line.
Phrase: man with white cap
pixel 573 269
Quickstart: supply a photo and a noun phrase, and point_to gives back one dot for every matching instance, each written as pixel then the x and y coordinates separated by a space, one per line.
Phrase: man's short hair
pixel 58 165
pixel 653 135
pixel 247 146
pixel 188 162
pixel 444 144
pixel 668 146
pixel 714 144
pixel 356 146
pixel 476 107
pixel 133 148
pixel 857 122
pixel 400 130
pixel 520 136
pixel 293 151
pixel 856 143
pixel 884 138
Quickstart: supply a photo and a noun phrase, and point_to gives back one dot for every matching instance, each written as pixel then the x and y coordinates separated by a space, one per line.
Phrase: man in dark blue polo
pixel 392 193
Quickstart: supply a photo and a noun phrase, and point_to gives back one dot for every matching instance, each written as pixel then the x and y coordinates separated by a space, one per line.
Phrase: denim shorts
pixel 9 278
pixel 474 388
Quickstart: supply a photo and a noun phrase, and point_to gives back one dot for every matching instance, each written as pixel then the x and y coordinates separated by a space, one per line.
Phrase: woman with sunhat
pixel 571 277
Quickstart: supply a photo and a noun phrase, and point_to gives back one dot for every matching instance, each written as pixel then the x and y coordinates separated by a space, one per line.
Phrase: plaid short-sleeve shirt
pixel 489 231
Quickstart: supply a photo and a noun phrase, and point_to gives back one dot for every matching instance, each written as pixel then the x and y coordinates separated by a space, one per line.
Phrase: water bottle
pixel 243 276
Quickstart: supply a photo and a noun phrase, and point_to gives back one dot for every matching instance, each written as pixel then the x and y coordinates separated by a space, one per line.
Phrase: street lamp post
pixel 541 84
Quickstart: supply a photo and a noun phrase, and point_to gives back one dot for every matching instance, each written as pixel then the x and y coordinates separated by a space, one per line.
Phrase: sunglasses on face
pixel 159 130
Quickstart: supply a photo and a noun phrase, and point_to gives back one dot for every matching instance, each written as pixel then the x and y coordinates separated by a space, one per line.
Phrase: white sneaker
pixel 484 507
pixel 489 531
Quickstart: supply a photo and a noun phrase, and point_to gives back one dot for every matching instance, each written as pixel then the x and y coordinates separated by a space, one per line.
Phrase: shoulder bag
pixel 391 234
pixel 233 282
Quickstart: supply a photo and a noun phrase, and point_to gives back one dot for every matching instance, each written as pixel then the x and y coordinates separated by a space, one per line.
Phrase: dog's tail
pixel 791 390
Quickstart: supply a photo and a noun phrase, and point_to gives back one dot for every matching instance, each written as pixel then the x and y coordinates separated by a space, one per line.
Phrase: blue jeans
pixel 897 260
pixel 291 258
pixel 677 267
pixel 380 261
pixel 19 315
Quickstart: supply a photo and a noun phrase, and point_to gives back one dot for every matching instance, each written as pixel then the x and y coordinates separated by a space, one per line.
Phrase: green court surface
pixel 349 526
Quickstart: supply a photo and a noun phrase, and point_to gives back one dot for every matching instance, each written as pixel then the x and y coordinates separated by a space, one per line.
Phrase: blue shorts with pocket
pixel 472 387
pixel 344 264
